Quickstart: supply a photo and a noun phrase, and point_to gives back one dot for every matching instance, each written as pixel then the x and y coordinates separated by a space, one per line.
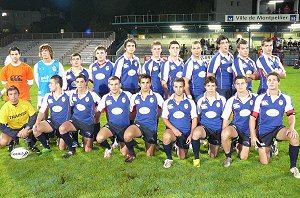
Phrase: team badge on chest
pixel 87 99
pixel 123 100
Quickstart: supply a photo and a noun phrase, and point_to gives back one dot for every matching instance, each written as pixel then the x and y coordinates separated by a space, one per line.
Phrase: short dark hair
pixel 147 76
pixel 220 38
pixel 266 40
pixel 129 40
pixel 75 54
pixel 12 88
pixel 14 49
pixel 274 74
pixel 58 79
pixel 179 80
pixel 210 79
pixel 100 47
pixel 114 78
pixel 196 42
pixel 81 76
pixel 241 42
pixel 174 42
pixel 156 43
pixel 240 77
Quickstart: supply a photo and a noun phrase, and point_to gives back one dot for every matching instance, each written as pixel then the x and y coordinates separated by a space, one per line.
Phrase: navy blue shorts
pixel 243 138
pixel 86 130
pixel 213 137
pixel 267 139
pixel 13 133
pixel 117 131
pixel 148 135
pixel 181 141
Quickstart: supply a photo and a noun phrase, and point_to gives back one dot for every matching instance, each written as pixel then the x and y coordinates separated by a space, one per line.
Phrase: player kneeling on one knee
pixel 269 109
pixel 240 105
pixel 210 106
pixel 117 105
pixel 177 114
pixel 147 105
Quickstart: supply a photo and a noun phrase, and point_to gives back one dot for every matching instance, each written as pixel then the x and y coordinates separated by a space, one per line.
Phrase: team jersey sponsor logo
pixel 126 65
pixel 202 74
pixel 280 102
pixel 170 106
pixel 264 103
pixel 50 101
pixel 108 102
pixel 229 69
pixel 54 68
pixel 251 102
pixel 186 106
pixel 179 74
pixel 151 100
pixel 236 105
pixel 44 78
pixel 211 114
pixel 57 109
pixel 80 107
pixel 117 111
pixel 123 100
pixel 203 106
pixel 18 115
pixel 99 76
pixel 178 114
pixel 16 78
pixel 131 72
pixel 272 112
pixel 144 110
pixel 245 113
pixel 87 99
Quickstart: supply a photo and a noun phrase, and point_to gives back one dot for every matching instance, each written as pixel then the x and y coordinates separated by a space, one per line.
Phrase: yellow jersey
pixel 16 116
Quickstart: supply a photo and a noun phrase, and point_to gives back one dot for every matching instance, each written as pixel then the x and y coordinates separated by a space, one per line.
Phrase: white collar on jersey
pixel 173 95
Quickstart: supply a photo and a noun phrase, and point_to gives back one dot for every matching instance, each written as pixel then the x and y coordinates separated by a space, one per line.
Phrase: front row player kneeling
pixel 17 117
pixel 180 117
pixel 84 103
pixel 147 105
pixel 269 109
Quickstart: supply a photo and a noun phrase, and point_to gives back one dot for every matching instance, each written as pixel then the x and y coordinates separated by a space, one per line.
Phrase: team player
pixel 172 69
pixel 267 63
pixel 194 72
pixel 180 117
pixel 154 66
pixel 117 105
pixel 244 65
pixel 44 69
pixel 221 67
pixel 210 106
pixel 17 116
pixel 18 74
pixel 101 71
pixel 74 71
pixel 59 104
pixel 147 105
pixel 84 103
pixel 128 67
pixel 268 110
pixel 240 105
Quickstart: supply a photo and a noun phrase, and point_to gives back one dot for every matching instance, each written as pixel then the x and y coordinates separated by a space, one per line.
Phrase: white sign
pixel 262 18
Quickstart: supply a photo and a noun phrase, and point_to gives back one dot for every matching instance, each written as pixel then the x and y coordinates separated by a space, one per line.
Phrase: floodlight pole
pixel 249 37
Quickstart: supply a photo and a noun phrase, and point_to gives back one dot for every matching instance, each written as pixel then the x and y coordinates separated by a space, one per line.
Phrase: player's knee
pixel 36 133
pixel 127 137
pixel 3 142
pixel 264 161
pixel 100 138
pixel 62 129
pixel 243 156
pixel 167 138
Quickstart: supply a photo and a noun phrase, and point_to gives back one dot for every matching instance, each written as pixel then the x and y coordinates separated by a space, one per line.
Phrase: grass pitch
pixel 90 175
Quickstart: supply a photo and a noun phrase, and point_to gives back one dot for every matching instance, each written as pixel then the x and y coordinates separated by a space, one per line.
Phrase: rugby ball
pixel 19 153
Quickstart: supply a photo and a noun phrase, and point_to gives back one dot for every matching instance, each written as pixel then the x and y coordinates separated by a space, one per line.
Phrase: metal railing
pixel 168 18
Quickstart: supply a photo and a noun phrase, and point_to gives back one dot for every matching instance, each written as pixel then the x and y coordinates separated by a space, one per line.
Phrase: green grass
pixel 89 175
